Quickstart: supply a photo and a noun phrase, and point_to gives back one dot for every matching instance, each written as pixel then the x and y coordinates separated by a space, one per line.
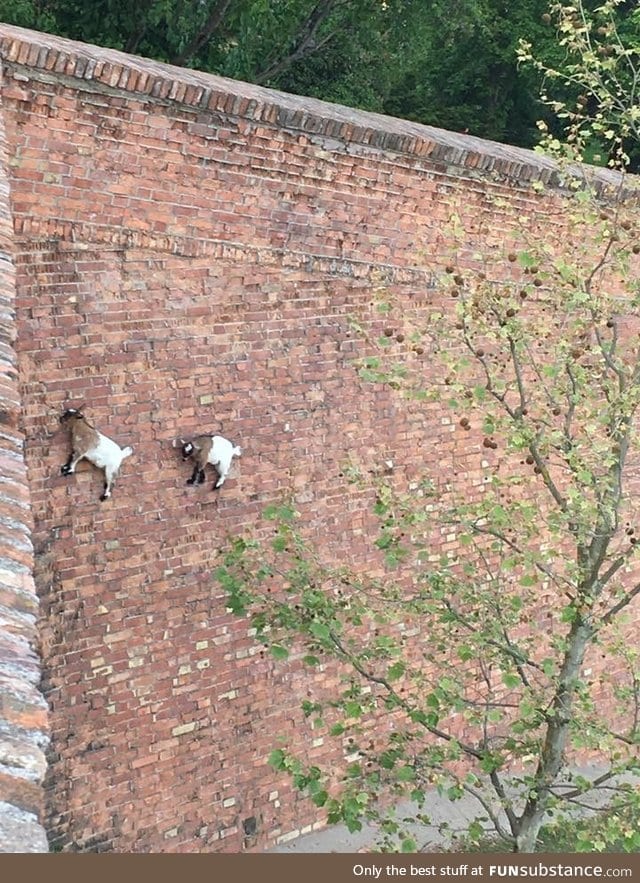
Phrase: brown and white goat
pixel 213 449
pixel 89 444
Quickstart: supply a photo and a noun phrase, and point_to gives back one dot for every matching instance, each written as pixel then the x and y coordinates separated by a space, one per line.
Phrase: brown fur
pixel 87 443
pixel 202 446
pixel 83 435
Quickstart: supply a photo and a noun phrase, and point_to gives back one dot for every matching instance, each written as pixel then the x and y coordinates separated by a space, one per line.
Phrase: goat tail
pixel 237 452
pixel 127 452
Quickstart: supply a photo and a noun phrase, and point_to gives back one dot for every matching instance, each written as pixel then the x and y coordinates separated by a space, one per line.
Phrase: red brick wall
pixel 190 254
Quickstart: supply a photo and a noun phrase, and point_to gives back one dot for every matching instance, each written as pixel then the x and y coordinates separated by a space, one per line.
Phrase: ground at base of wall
pixel 449 821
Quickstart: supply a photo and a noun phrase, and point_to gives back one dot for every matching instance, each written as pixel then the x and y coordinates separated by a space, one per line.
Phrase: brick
pixel 202 279
pixel 183 728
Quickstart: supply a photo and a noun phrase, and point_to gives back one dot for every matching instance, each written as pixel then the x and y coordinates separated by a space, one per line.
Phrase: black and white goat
pixel 89 444
pixel 213 449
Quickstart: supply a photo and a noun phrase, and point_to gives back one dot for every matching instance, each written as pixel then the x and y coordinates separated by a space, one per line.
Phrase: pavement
pixel 448 819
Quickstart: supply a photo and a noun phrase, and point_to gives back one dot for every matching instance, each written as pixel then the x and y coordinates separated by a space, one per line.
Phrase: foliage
pixel 590 833
pixel 462 73
pixel 542 357
pixel 495 651
pixel 594 93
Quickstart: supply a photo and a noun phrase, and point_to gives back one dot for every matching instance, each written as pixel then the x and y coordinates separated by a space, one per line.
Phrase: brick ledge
pixel 79 235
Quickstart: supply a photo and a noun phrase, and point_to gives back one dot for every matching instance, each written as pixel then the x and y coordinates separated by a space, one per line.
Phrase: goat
pixel 89 444
pixel 213 449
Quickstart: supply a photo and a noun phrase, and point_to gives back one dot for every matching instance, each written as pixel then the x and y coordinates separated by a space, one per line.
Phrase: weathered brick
pixel 23 719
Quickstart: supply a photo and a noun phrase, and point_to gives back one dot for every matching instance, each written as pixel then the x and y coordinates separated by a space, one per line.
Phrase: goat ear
pixel 178 443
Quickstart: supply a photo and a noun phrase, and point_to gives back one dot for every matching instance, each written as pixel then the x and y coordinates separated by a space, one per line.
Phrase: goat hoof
pixel 104 497
pixel 65 470
pixel 201 479
pixel 190 481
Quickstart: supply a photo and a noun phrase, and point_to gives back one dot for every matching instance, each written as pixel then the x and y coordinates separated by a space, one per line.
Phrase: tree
pixel 528 663
pixel 462 72
pixel 594 91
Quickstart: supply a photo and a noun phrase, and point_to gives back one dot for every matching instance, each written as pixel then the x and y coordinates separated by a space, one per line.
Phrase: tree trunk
pixel 214 20
pixel 552 755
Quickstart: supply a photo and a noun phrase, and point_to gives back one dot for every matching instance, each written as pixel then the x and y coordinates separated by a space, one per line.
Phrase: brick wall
pixel 190 255
pixel 23 715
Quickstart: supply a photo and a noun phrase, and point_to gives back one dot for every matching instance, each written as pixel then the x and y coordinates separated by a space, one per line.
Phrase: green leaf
pixel 320 631
pixel 388 759
pixel 490 763
pixel 475 831
pixel 406 774
pixel 281 512
pixel 396 671
pixel 277 759
pixel 380 508
pixel 510 680
pixel 526 260
pixel 370 376
pixel 353 709
pixel 548 667
pixel 278 651
pixel 528 579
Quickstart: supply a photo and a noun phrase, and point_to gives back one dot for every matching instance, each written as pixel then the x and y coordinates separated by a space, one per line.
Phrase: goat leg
pixel 194 475
pixel 110 474
pixel 69 467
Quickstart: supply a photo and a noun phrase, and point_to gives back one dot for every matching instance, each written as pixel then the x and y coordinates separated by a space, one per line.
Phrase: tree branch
pixel 578 792
pixel 214 20
pixel 493 817
pixel 402 703
pixel 543 568
pixel 304 42
pixel 515 654
pixel 622 603
pixel 499 789
pixel 134 39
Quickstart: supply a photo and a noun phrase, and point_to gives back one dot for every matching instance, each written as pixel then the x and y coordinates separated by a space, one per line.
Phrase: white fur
pixel 107 455
pixel 221 454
